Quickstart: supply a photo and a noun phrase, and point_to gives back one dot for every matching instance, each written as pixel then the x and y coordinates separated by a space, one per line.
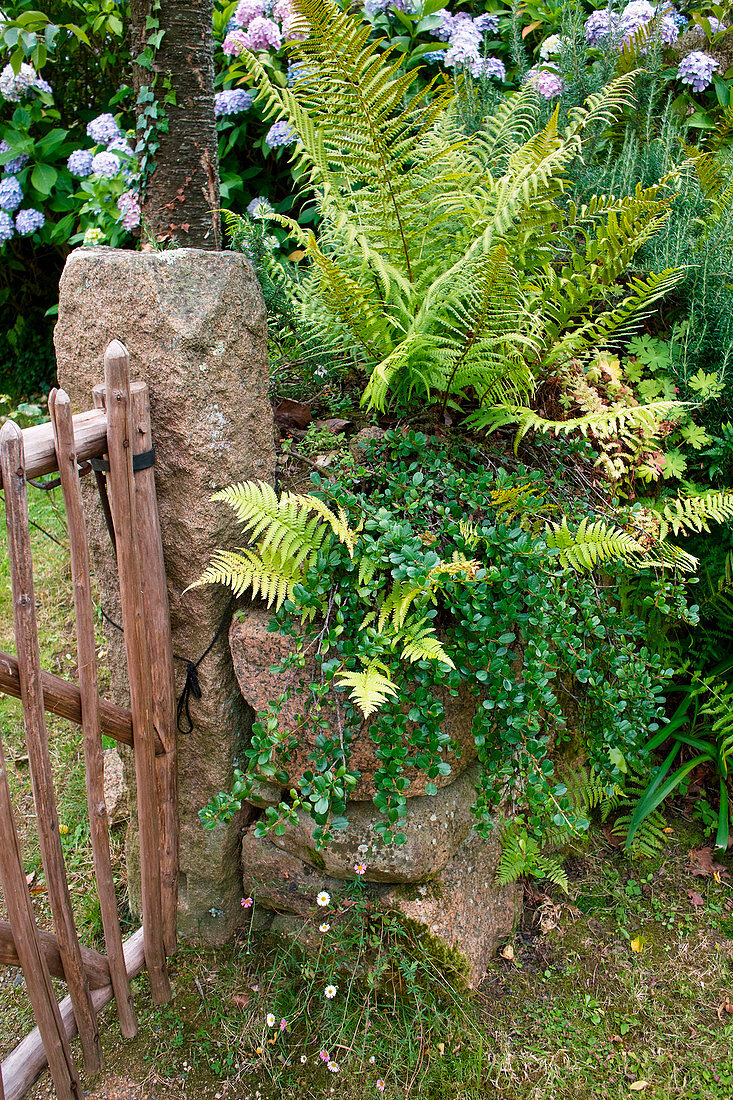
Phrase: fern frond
pixel 694 513
pixel 420 643
pixel 592 544
pixel 612 421
pixel 370 688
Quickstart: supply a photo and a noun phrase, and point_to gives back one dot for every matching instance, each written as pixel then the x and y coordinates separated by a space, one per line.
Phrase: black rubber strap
pixel 142 461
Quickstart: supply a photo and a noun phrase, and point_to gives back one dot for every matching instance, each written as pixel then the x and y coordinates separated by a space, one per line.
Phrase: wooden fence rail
pixel 119 427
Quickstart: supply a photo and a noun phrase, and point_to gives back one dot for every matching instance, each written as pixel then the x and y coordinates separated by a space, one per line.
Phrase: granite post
pixel 193 322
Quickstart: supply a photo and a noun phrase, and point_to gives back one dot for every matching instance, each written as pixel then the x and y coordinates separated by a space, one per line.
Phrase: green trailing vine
pixel 438 557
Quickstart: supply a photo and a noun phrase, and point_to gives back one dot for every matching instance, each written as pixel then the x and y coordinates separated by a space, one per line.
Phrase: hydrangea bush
pixel 76 179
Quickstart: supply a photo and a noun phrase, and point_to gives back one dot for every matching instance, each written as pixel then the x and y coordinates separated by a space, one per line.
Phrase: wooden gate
pixel 119 427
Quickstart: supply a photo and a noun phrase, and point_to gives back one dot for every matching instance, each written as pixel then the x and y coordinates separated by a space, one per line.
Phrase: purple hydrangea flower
pixel 247 10
pixel 494 67
pixel 375 7
pixel 11 193
pixel 670 30
pixel 259 207
pixel 80 163
pixel 488 23
pixel 280 134
pixel 716 25
pixel 11 167
pixel 27 221
pixel 129 207
pixel 13 86
pixel 232 101
pixel 635 15
pixel 235 43
pixel 43 85
pixel 106 165
pixel 547 83
pixel 103 129
pixel 600 26
pixel 7 227
pixel 697 70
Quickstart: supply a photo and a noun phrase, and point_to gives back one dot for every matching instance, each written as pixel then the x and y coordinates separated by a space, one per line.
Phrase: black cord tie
pixel 190 687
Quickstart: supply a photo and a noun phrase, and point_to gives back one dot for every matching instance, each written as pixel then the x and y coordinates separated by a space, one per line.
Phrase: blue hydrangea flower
pixel 375 7
pixel 43 85
pixel 27 221
pixel 80 163
pixel 11 193
pixel 298 71
pixel 494 67
pixel 232 101
pixel 103 129
pixel 121 145
pixel 488 23
pixel 7 228
pixel 13 86
pixel 11 167
pixel 434 56
pixel 600 26
pixel 106 165
pixel 259 207
pixel 280 134
pixel 697 70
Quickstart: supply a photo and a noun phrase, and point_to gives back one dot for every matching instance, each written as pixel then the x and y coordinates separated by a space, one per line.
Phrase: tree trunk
pixel 181 196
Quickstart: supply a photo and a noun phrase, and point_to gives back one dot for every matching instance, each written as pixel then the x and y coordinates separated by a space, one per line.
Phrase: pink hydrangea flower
pixel 235 43
pixel 263 34
pixel 247 10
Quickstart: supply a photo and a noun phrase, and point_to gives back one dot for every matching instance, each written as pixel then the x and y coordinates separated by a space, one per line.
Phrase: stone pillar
pixel 194 324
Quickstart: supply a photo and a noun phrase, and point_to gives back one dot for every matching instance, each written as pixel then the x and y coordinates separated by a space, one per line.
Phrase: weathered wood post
pixel 194 325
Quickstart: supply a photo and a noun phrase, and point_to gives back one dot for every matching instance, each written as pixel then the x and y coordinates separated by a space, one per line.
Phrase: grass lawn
pixel 622 988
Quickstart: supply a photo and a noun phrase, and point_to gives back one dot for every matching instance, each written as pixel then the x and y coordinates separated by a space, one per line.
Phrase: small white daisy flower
pixel 270 1020
pixel 303 1059
pixel 333 1066
pixel 324 927
pixel 330 992
pixel 323 899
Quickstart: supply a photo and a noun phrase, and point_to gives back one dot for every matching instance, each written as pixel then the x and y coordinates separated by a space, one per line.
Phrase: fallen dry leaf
pixel 702 863
pixel 724 1006
pixel 507 952
pixel 613 840
pixel 695 899
pixel 334 424
pixel 292 414
pixel 638 944
pixel 637 1086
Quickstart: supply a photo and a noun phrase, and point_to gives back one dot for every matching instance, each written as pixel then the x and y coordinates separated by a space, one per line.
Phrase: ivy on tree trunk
pixel 173 48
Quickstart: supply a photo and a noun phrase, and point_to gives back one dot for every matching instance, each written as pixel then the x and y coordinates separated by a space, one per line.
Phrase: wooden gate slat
pixel 122 500
pixel 59 407
pixel 37 978
pixel 62 697
pixel 26 1063
pixel 157 620
pixel 96 967
pixel 24 611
